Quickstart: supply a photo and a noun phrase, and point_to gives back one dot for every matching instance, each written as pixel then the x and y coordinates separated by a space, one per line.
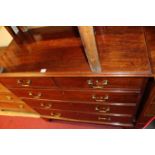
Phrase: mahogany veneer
pixel 49 69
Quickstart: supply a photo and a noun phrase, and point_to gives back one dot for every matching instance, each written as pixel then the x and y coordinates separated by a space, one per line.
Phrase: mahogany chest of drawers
pixel 97 74
pixel 111 101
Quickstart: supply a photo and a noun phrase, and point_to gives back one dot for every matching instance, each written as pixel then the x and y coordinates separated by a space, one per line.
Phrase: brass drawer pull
pixel 48 106
pixel 21 106
pixel 104 118
pixel 9 97
pixel 103 109
pixel 100 98
pixel 35 96
pixel 96 84
pixel 57 115
pixel 24 83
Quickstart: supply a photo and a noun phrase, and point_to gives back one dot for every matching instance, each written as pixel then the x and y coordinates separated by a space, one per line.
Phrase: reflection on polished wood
pixel 122 51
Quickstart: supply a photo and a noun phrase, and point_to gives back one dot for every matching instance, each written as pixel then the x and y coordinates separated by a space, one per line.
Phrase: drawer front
pixel 103 118
pixel 5 97
pixel 83 107
pixel 99 83
pixel 85 96
pixel 38 93
pixel 101 96
pixel 28 82
pixel 59 114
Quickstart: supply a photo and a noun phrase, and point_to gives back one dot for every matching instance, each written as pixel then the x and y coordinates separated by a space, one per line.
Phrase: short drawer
pixel 83 107
pixel 99 83
pixel 83 96
pixel 50 94
pixel 102 96
pixel 59 114
pixel 28 82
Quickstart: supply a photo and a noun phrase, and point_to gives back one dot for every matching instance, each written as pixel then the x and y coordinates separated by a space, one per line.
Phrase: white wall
pixel 5 37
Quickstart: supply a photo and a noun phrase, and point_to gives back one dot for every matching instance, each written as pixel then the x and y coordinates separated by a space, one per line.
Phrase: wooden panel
pixel 53 32
pixel 86 96
pixel 33 57
pixel 99 83
pixel 28 82
pixel 150 41
pixel 150 110
pixel 122 52
pixel 147 108
pixel 122 49
pixel 89 43
pixel 69 106
pixel 39 33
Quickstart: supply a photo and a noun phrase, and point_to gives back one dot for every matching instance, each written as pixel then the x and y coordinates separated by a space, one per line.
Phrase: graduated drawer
pixel 60 114
pixel 83 107
pixel 24 82
pixel 104 118
pixel 102 96
pixel 50 94
pixel 84 96
pixel 4 106
pixel 6 97
pixel 99 82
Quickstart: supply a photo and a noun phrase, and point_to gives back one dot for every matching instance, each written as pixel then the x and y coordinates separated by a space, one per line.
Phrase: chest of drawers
pixel 87 74
pixel 111 101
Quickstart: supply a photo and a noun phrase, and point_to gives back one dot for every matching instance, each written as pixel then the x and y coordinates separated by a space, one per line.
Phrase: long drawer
pixel 23 82
pixel 83 107
pixel 99 82
pixel 85 96
pixel 59 114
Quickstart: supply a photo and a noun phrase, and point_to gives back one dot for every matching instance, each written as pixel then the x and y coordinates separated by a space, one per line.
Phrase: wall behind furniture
pixel 5 37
